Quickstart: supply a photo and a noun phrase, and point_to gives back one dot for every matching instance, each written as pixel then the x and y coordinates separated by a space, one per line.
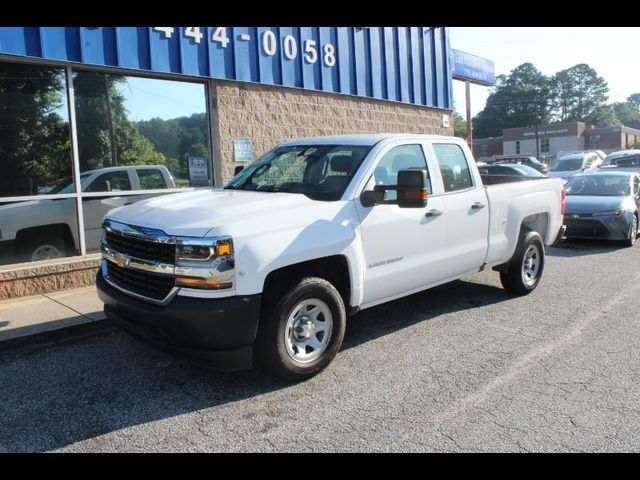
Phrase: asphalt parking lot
pixel 463 367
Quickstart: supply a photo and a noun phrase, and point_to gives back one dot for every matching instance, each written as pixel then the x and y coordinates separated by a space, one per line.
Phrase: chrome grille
pixel 142 283
pixel 141 248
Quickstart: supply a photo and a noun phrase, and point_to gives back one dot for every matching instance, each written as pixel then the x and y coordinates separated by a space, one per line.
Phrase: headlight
pixel 205 263
pixel 609 213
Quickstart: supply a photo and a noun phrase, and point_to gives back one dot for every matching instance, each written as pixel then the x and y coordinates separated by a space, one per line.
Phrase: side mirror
pixel 237 170
pixel 369 198
pixel 412 188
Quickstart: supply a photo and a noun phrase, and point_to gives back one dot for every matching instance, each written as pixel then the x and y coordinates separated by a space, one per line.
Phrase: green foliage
pixel 459 125
pixel 603 116
pixel 177 139
pixel 34 138
pixel 634 99
pixel 521 98
pixel 577 92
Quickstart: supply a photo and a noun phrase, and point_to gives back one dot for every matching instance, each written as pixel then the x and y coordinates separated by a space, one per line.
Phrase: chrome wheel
pixel 531 265
pixel 308 330
pixel 46 252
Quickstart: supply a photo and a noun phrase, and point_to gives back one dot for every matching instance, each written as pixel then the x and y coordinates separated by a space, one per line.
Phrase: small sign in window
pixel 242 151
pixel 198 172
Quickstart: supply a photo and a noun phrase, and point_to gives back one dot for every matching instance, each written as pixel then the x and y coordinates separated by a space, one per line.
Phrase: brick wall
pixel 270 115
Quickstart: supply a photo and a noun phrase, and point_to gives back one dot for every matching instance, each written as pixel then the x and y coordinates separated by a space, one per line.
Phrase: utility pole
pixel 537 143
pixel 467 90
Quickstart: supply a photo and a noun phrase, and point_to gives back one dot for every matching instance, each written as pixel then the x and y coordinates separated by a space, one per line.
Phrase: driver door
pixel 403 247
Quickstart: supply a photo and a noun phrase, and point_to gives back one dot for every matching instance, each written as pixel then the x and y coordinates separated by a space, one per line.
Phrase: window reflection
pixel 35 150
pixel 38 230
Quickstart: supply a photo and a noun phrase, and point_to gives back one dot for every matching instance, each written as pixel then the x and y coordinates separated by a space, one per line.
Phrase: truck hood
pixel 217 211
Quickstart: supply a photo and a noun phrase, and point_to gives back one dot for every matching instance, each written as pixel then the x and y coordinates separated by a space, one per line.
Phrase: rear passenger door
pixel 466 210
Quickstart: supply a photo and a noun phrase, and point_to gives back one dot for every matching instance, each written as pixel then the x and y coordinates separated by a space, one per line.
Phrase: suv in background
pixel 532 162
pixel 568 166
pixel 617 155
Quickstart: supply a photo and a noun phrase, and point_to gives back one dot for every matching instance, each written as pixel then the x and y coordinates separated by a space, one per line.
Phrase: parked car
pixel 266 270
pixel 531 162
pixel 568 166
pixel 603 205
pixel 510 170
pixel 609 160
pixel 44 229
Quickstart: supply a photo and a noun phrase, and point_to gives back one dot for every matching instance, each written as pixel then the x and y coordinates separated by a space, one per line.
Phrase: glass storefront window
pixel 136 139
pixel 35 150
pixel 132 121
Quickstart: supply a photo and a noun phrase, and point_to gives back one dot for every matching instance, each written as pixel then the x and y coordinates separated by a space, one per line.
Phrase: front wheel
pixel 524 270
pixel 301 329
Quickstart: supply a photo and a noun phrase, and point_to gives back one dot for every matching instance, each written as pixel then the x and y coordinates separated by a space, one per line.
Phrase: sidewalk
pixel 37 314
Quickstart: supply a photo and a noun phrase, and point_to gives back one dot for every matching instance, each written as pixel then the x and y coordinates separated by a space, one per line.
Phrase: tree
pixel 34 138
pixel 577 92
pixel 602 116
pixel 634 99
pixel 520 99
pixel 627 113
pixel 102 117
pixel 459 125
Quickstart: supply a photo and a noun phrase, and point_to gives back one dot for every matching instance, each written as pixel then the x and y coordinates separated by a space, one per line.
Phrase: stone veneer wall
pixel 42 277
pixel 269 115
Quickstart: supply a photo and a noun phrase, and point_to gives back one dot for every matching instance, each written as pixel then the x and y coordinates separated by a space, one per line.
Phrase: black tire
pixel 514 279
pixel 274 333
pixel 42 246
pixel 633 232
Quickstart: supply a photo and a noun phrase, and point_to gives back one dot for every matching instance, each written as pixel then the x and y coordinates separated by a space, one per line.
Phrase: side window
pixel 151 179
pixel 117 181
pixel 453 167
pixel 398 158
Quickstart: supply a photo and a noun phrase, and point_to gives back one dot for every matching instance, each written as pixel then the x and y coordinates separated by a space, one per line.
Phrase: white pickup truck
pixel 44 229
pixel 266 270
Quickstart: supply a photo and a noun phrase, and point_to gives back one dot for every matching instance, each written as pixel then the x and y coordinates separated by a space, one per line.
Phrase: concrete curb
pixel 52 338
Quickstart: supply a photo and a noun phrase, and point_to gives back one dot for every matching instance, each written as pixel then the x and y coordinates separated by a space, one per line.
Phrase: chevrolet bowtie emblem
pixel 121 261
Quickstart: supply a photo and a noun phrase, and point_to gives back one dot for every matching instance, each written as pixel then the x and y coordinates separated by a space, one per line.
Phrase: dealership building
pixel 547 141
pixel 93 118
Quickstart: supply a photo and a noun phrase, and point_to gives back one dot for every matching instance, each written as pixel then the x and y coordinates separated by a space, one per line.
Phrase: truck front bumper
pixel 214 333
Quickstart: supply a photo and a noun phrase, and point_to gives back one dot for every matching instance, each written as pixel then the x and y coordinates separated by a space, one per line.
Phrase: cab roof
pixel 364 139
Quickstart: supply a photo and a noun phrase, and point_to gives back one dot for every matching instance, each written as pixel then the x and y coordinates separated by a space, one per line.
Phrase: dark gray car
pixel 603 205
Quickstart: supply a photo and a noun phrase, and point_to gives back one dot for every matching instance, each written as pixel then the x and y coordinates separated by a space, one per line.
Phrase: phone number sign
pixel 403 64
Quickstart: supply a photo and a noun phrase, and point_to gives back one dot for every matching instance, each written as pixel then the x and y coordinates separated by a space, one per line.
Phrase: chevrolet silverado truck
pixel 266 270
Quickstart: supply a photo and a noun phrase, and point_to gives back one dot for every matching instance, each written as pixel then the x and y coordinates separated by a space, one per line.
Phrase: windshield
pixel 66 185
pixel 599 185
pixel 566 164
pixel 321 172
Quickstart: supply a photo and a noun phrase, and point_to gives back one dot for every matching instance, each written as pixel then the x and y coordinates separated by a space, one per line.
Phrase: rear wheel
pixel 524 270
pixel 302 328
pixel 46 246
pixel 633 232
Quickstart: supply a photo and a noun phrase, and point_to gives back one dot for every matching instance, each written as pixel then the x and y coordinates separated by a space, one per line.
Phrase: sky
pixel 611 51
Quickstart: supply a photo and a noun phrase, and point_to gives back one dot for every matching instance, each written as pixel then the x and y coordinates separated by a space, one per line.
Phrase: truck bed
pixel 514 198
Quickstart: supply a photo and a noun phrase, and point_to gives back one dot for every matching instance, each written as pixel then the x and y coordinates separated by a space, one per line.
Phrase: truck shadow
pixel 582 247
pixel 72 392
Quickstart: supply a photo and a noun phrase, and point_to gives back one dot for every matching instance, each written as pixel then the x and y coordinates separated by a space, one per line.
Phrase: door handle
pixel 433 213
pixel 478 205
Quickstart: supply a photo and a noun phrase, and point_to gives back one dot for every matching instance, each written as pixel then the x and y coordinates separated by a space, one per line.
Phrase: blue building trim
pixel 406 64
